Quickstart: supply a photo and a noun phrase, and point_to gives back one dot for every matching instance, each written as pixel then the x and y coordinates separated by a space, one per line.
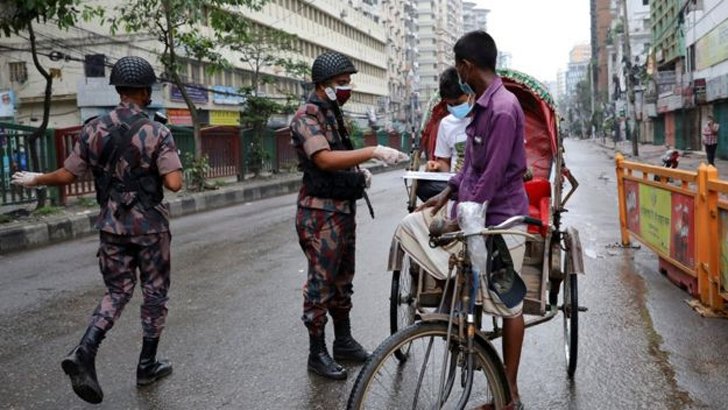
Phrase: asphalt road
pixel 236 340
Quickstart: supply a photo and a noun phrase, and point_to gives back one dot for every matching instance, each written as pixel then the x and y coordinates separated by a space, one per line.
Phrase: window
pixel 18 72
pixel 195 72
pixel 93 65
pixel 645 2
pixel 228 78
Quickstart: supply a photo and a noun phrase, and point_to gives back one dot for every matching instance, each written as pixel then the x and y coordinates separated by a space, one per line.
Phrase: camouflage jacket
pixel 314 130
pixel 153 142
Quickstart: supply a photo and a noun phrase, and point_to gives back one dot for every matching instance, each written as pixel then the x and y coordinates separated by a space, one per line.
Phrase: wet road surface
pixel 236 340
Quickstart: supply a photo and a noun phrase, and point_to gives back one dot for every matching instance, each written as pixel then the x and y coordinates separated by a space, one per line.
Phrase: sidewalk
pixel 19 235
pixel 652 154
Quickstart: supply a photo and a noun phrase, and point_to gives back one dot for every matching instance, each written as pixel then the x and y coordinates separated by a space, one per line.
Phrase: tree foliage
pixel 263 49
pixel 187 30
pixel 19 16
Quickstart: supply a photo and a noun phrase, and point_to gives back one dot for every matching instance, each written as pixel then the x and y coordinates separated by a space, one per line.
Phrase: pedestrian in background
pixel 325 217
pixel 710 139
pixel 131 158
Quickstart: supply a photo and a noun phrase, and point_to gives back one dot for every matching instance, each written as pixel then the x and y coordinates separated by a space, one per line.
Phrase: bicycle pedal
pixel 583 309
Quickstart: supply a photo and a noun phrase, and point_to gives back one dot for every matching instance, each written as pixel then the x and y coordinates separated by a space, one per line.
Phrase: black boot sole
pixel 340 376
pixel 149 380
pixel 80 382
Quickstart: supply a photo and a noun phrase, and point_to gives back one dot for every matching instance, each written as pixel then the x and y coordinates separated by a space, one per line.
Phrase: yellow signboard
pixel 225 118
pixel 712 48
pixel 655 214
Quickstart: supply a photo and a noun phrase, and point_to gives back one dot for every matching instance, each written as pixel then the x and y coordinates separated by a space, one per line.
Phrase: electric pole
pixel 630 89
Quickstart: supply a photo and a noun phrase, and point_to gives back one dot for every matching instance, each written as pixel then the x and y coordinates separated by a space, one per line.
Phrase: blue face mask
pixel 460 111
pixel 466 88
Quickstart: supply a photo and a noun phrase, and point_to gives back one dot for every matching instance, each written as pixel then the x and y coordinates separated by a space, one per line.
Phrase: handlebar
pixel 502 228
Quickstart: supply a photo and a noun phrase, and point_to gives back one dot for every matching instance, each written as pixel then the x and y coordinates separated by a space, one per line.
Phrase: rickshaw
pixel 551 267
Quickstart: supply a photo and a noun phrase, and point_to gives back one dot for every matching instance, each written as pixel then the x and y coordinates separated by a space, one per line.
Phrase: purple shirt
pixel 495 156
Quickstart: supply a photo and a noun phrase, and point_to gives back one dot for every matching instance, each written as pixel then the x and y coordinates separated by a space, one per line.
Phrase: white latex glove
pixel 389 156
pixel 25 178
pixel 367 177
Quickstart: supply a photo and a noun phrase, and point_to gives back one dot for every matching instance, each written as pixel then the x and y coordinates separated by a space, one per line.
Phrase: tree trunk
pixel 171 67
pixel 40 132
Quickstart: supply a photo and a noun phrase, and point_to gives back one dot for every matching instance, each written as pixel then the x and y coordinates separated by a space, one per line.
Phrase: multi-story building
pixel 621 67
pixel 474 17
pixel 560 86
pixel 580 53
pixel 439 25
pixel 567 84
pixel 398 19
pixel 671 114
pixel 601 21
pixel 79 58
pixel 705 83
pixel 503 60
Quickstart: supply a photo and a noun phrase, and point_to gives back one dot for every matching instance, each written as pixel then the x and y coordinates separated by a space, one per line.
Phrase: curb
pixel 23 236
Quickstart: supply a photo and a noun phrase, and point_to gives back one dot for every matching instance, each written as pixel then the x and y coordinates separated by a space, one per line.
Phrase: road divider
pixel 683 217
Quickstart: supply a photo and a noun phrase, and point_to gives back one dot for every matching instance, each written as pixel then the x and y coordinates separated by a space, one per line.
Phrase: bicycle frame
pixel 465 288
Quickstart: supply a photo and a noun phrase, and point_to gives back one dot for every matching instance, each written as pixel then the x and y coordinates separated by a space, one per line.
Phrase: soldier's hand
pixel 389 156
pixel 367 177
pixel 25 178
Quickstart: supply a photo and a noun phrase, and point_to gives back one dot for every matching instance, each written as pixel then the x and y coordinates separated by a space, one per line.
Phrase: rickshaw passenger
pixel 493 169
pixel 450 145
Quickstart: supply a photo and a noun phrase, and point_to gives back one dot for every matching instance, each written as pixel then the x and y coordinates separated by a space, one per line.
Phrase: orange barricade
pixel 683 217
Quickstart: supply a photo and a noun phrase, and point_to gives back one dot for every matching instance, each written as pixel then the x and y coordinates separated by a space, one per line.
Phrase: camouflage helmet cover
pixel 330 64
pixel 133 72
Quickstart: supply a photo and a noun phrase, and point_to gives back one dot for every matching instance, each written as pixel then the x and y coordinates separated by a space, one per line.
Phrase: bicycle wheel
pixel 426 379
pixel 571 322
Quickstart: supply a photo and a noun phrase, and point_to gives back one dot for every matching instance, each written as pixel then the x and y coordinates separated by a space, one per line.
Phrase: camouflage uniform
pixel 131 238
pixel 326 227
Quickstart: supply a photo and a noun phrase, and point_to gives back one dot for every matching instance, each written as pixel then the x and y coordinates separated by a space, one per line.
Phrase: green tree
pixel 19 16
pixel 176 23
pixel 264 49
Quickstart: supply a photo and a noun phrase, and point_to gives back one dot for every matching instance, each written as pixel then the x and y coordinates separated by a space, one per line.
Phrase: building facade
pixel 398 18
pixel 601 21
pixel 689 64
pixel 439 25
pixel 622 68
pixel 474 17
pixel 83 53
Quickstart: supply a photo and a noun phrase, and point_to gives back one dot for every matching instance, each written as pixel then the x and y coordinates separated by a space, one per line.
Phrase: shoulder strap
pixel 120 134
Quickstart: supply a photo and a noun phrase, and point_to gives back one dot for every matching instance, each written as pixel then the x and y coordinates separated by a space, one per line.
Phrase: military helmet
pixel 133 72
pixel 330 64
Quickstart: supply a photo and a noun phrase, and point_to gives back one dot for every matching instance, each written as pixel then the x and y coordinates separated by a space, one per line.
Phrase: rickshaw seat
pixel 539 203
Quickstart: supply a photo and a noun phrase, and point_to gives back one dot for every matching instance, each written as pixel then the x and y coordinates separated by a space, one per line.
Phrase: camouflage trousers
pixel 328 239
pixel 119 259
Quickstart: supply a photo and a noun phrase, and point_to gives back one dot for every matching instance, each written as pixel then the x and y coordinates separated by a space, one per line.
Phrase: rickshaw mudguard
pixel 574 251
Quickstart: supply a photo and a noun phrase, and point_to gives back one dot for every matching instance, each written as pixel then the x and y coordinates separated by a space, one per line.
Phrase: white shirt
pixel 451 140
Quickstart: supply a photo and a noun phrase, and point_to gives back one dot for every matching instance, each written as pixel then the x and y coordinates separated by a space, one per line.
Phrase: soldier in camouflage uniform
pixel 325 220
pixel 131 158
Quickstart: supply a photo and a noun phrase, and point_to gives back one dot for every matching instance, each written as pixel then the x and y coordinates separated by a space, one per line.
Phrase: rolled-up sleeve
pixel 168 158
pixel 310 133
pixel 77 161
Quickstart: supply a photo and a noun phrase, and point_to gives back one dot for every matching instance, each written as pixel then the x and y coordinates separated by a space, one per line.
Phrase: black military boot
pixel 80 366
pixel 320 362
pixel 150 369
pixel 345 347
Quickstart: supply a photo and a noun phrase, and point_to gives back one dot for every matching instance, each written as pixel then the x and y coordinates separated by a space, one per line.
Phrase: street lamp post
pixel 628 82
pixel 638 110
